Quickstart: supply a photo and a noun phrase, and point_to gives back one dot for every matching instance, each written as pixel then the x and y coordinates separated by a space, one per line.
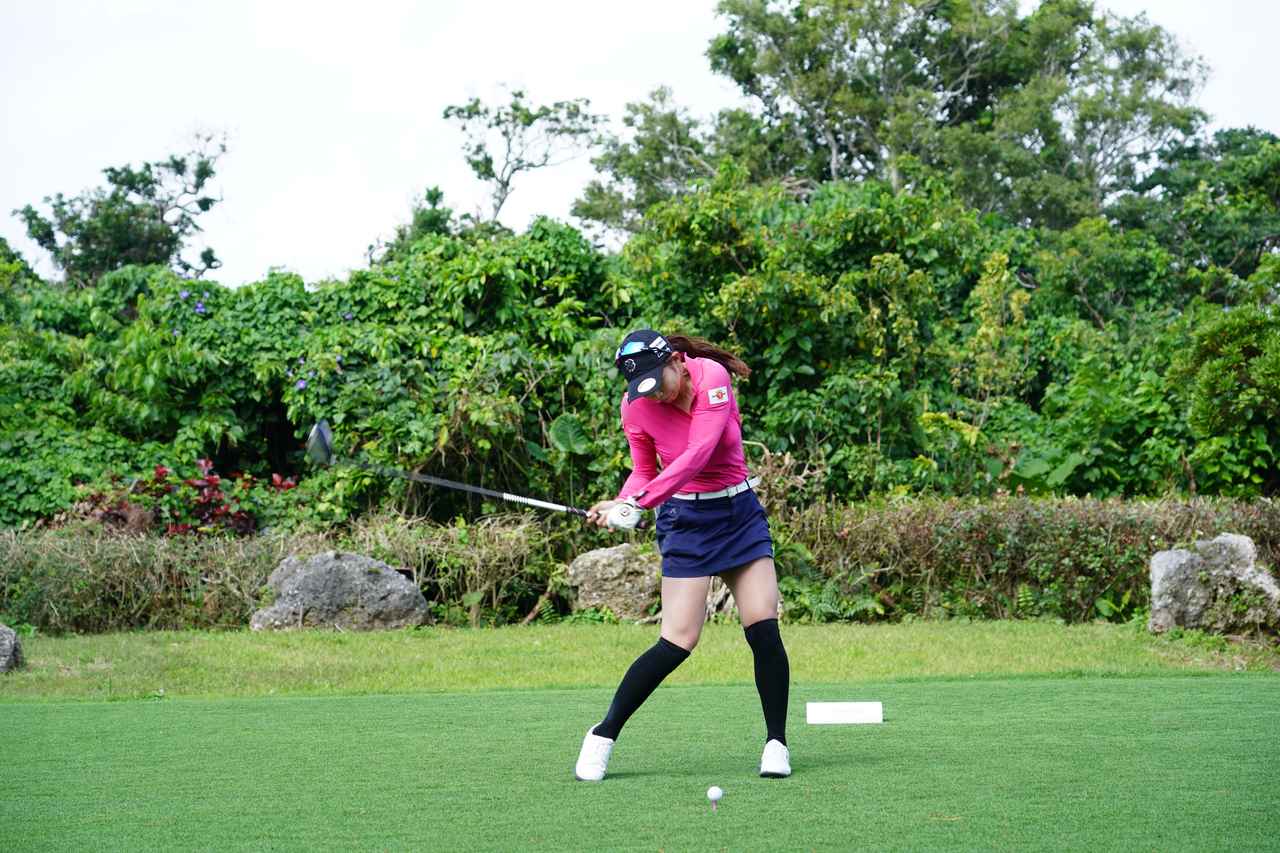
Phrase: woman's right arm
pixel 644 467
pixel 644 462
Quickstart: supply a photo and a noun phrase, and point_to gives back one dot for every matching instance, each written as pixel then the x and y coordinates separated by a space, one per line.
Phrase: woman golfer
pixel 679 407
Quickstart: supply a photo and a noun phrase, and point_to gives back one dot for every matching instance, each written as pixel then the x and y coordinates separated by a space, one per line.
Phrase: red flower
pixel 281 484
pixel 161 472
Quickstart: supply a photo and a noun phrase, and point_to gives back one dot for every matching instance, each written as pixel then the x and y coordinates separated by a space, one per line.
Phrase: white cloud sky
pixel 333 111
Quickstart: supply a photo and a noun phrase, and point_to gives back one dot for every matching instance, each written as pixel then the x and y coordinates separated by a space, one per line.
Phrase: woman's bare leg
pixel 684 604
pixel 684 608
pixel 755 589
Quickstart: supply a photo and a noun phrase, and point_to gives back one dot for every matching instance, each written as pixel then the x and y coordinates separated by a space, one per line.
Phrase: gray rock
pixel 1177 596
pixel 622 578
pixel 1217 588
pixel 10 649
pixel 340 590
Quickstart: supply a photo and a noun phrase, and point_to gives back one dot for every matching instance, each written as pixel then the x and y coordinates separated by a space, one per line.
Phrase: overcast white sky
pixel 333 111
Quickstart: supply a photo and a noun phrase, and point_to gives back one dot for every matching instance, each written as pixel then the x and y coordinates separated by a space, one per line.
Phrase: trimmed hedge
pixel 88 579
pixel 1073 559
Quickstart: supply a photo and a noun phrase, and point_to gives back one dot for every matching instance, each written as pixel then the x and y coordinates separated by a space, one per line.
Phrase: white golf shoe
pixel 593 760
pixel 775 762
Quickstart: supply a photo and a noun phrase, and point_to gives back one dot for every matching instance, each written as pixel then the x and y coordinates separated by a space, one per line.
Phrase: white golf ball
pixel 714 793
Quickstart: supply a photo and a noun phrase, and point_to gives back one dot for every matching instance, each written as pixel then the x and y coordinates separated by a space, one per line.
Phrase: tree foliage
pixel 966 250
pixel 668 151
pixel 429 216
pixel 144 215
pixel 1214 201
pixel 506 140
pixel 1043 118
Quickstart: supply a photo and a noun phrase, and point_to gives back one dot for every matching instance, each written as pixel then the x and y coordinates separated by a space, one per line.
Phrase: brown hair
pixel 702 348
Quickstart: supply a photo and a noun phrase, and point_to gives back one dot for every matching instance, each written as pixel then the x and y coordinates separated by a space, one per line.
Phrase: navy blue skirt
pixel 700 538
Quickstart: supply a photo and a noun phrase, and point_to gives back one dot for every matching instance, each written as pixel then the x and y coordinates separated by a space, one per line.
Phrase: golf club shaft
pixel 320 451
pixel 452 484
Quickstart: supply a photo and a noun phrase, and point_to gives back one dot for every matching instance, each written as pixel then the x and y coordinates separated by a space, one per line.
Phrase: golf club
pixel 320 451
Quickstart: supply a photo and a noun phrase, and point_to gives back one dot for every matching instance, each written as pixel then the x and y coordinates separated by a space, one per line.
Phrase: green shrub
pixel 901 344
pixel 87 577
pixel 1233 371
pixel 487 567
pixel 1072 559
pixel 84 578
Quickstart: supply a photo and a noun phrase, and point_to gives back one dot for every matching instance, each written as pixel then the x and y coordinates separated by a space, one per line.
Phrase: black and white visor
pixel 640 359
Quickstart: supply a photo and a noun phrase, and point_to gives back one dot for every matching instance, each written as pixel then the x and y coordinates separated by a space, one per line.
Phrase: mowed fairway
pixel 1175 760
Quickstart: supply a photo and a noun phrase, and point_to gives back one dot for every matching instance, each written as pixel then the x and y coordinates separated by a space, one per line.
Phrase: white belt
pixel 723 493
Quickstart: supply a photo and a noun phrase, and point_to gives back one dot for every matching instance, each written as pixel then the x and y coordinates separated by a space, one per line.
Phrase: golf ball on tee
pixel 714 793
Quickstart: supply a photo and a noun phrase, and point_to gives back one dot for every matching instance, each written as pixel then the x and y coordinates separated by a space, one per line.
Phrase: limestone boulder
pixel 1217 587
pixel 622 578
pixel 336 589
pixel 628 581
pixel 10 649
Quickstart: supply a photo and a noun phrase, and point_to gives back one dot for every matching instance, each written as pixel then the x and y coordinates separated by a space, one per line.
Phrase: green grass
pixel 242 663
pixel 1167 763
pixel 1026 736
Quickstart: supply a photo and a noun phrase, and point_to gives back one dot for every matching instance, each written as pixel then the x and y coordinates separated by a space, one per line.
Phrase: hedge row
pixel 1073 559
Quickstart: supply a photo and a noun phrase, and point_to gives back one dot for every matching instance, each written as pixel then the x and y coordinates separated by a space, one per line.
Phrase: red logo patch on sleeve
pixel 718 396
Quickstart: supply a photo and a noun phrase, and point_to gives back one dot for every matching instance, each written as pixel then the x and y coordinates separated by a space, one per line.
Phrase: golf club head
pixel 320 444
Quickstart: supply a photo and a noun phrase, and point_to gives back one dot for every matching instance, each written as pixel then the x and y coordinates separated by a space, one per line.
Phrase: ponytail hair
pixel 701 348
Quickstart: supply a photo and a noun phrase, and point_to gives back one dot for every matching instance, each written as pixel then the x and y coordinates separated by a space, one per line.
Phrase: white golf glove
pixel 624 515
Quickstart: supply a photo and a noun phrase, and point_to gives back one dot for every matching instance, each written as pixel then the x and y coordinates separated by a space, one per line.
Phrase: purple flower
pixel 289 373
pixel 301 360
pixel 199 307
pixel 312 374
pixel 176 333
pixel 183 294
pixel 348 316
pixel 206 294
pixel 302 384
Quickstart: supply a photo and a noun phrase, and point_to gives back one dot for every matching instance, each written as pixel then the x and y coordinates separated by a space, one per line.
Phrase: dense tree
pixel 1042 118
pixel 667 151
pixel 1093 100
pixel 144 215
pixel 1213 202
pixel 1232 370
pixel 10 256
pixel 861 78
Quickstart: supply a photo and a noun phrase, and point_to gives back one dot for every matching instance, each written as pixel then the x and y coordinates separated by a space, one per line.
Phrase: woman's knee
pixel 684 603
pixel 755 590
pixel 758 611
pixel 684 637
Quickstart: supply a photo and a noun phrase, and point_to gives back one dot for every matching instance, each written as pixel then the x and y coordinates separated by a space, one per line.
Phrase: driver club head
pixel 320 444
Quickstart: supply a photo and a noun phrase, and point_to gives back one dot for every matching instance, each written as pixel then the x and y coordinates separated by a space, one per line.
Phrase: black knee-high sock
pixel 641 679
pixel 773 676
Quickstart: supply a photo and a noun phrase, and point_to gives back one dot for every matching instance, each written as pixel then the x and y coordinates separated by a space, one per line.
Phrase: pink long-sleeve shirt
pixel 701 451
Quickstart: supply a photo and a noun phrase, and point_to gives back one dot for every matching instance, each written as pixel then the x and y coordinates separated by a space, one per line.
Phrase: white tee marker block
pixel 843 713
